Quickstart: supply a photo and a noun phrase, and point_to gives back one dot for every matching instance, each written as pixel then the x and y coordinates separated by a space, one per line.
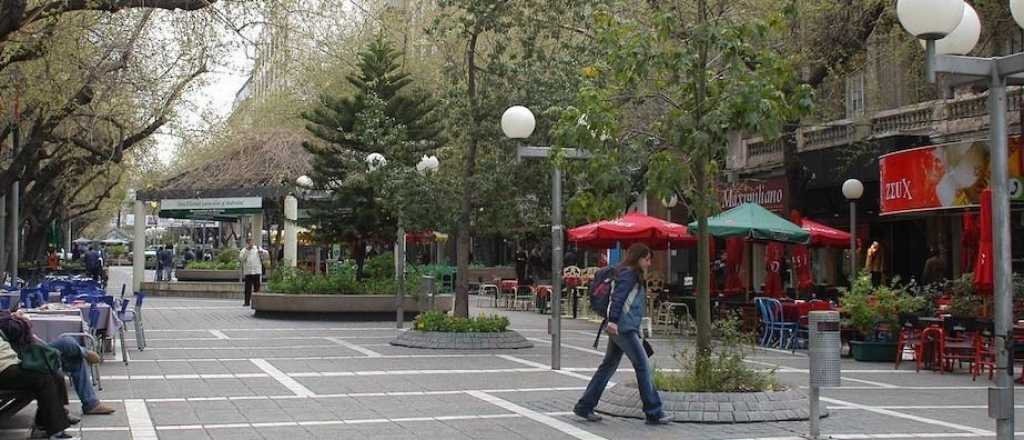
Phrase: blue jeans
pixel 72 359
pixel 628 343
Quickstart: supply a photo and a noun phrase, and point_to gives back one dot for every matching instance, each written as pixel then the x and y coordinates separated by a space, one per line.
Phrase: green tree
pixel 382 116
pixel 696 72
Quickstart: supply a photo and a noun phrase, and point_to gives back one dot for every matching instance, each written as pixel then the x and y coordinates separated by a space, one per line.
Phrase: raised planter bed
pixel 487 275
pixel 208 275
pixel 361 304
pixel 461 341
pixel 623 400
pixel 194 289
pixel 865 351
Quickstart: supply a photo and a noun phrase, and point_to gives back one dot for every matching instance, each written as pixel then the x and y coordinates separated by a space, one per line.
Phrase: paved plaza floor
pixel 214 371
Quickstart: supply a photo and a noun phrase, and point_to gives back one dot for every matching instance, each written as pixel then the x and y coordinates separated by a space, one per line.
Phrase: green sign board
pixel 223 209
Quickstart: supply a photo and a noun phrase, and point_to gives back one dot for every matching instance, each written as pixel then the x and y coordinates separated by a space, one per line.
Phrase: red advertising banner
pixel 947 176
pixel 769 193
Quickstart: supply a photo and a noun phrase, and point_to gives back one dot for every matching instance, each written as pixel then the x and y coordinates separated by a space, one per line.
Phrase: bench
pixel 13 401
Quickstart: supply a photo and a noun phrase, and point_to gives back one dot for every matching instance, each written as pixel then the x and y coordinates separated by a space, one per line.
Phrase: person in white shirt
pixel 252 258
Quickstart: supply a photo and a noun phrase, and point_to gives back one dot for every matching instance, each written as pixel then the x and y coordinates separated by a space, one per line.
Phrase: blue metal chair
pixel 135 317
pixel 775 331
pixel 31 298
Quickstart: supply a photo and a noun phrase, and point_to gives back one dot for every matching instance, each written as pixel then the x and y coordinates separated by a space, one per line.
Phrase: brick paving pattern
pixel 213 371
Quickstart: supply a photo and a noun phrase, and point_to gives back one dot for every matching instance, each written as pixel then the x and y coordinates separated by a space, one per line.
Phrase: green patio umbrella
pixel 753 222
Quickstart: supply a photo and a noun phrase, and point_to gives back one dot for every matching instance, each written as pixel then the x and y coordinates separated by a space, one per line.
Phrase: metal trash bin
pixel 824 347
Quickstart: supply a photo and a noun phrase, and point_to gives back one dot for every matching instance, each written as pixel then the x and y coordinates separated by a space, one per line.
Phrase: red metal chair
pixel 984 356
pixel 932 337
pixel 910 336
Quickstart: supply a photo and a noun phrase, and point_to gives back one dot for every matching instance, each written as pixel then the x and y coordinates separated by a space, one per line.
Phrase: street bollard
pixel 428 282
pixel 824 347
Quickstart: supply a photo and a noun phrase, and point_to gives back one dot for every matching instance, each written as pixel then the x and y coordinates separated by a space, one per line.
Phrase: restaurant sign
pixel 948 176
pixel 769 193
pixel 228 208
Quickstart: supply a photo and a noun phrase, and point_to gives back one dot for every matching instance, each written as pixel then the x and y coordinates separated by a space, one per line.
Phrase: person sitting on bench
pixel 48 390
pixel 74 359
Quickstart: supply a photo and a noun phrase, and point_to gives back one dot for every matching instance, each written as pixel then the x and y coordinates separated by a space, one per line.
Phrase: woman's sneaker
pixel 63 436
pixel 664 419
pixel 590 417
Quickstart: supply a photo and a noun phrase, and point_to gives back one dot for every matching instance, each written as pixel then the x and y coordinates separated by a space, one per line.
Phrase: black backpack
pixel 601 290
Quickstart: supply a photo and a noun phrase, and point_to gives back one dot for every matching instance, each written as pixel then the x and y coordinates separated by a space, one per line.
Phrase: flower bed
pixel 437 330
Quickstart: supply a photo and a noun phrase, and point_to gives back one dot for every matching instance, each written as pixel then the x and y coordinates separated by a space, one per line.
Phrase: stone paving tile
pixel 281 341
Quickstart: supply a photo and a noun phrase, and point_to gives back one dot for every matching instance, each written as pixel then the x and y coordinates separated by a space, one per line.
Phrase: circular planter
pixel 461 341
pixel 623 400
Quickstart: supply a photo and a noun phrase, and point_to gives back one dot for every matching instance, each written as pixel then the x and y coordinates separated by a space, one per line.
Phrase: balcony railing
pixel 963 117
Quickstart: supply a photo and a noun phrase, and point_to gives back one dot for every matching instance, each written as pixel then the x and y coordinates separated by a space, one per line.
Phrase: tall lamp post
pixel 518 123
pixel 950 28
pixel 426 165
pixel 853 189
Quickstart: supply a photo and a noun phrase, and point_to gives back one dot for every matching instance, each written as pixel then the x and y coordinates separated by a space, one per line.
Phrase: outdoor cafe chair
pixel 984 354
pixel 89 342
pixel 134 316
pixel 524 296
pixel 775 331
pixel 32 298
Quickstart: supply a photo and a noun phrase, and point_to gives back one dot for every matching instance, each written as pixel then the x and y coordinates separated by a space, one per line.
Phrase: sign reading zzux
pixel 945 176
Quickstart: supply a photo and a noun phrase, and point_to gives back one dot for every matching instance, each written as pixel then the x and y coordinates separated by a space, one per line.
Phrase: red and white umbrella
pixel 632 228
pixel 825 236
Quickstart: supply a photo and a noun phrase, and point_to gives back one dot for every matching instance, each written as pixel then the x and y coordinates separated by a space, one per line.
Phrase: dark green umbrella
pixel 752 221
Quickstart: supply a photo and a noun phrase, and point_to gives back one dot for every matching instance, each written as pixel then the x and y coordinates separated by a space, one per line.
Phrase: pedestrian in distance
pixel 251 259
pixel 625 312
pixel 167 261
pixel 94 264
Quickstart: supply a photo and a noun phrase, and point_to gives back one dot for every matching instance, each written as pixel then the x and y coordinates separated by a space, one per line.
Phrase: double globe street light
pixel 426 165
pixel 951 28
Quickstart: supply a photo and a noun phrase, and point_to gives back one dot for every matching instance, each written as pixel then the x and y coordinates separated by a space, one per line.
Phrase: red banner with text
pixel 947 176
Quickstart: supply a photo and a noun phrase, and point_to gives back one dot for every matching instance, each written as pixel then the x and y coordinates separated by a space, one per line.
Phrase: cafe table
pixel 49 326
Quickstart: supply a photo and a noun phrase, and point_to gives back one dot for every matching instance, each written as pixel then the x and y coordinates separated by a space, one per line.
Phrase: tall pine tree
pixel 384 115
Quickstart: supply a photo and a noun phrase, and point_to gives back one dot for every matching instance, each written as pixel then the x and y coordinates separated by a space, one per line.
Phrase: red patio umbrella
pixel 802 267
pixel 632 228
pixel 773 274
pixel 970 234
pixel 983 264
pixel 825 236
pixel 734 248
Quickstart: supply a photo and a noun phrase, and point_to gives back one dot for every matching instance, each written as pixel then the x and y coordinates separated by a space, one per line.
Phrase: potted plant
pixel 965 304
pixel 874 314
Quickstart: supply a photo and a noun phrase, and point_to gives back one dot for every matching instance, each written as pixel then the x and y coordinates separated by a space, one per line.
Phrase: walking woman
pixel 624 316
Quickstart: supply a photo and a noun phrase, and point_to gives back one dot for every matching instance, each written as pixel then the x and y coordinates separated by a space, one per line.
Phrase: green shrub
pixel 212 265
pixel 336 282
pixel 380 267
pixel 866 306
pixel 723 371
pixel 435 321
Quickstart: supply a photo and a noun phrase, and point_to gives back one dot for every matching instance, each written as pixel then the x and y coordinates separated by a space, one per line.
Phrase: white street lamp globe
pixel 428 164
pixel 930 19
pixel 1017 9
pixel 963 39
pixel 518 122
pixel 304 181
pixel 671 202
pixel 853 189
pixel 375 161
